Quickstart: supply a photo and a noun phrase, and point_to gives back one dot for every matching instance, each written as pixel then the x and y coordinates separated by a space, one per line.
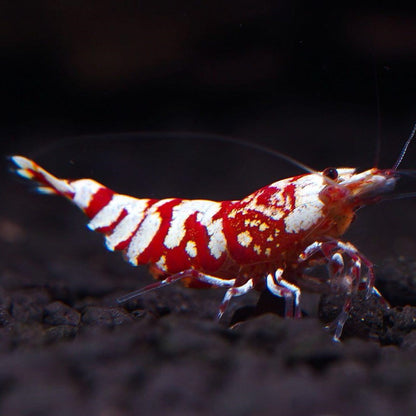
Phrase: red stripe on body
pixel 264 195
pixel 289 194
pixel 98 201
pixel 122 245
pixel 177 259
pixel 156 248
pixel 109 228
pixel 204 259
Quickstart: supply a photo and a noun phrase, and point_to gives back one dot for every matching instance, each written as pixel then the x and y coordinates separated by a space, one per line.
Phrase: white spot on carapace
pixel 267 252
pixel 263 226
pixel 251 223
pixel 303 218
pixel 180 213
pixel 308 207
pixel 191 248
pixel 257 248
pixel 274 213
pixel 271 211
pixel 244 238
pixel 84 190
pixel 144 235
pixel 270 238
pixel 217 243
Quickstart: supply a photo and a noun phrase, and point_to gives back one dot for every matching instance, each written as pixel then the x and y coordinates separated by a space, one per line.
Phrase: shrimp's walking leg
pixel 282 288
pixel 190 273
pixel 345 273
pixel 231 292
pixel 234 289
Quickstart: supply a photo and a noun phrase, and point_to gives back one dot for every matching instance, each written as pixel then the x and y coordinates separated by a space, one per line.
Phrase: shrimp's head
pixel 345 191
pixel 346 186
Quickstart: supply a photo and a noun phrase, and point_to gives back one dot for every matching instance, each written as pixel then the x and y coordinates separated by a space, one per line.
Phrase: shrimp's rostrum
pixel 265 240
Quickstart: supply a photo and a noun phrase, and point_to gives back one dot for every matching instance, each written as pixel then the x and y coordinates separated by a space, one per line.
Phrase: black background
pixel 287 72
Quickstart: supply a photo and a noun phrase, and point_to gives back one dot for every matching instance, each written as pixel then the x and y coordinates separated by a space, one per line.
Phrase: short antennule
pixel 404 148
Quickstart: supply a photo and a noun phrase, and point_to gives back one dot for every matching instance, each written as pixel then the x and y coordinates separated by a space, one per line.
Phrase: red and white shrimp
pixel 269 239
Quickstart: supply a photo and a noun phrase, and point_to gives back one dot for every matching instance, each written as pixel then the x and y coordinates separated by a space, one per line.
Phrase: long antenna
pixel 176 135
pixel 404 149
pixel 378 115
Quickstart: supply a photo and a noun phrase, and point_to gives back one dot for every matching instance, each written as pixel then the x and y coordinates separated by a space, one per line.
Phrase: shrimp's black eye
pixel 330 173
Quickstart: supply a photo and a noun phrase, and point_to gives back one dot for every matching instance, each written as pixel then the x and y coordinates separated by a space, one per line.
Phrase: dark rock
pixel 27 306
pixel 366 317
pixel 57 313
pixel 264 332
pixel 409 342
pixel 397 281
pixel 398 322
pixel 102 316
pixel 5 300
pixel 60 332
pixel 6 320
pixel 28 334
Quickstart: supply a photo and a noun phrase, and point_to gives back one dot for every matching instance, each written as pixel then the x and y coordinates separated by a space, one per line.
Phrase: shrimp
pixel 269 239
